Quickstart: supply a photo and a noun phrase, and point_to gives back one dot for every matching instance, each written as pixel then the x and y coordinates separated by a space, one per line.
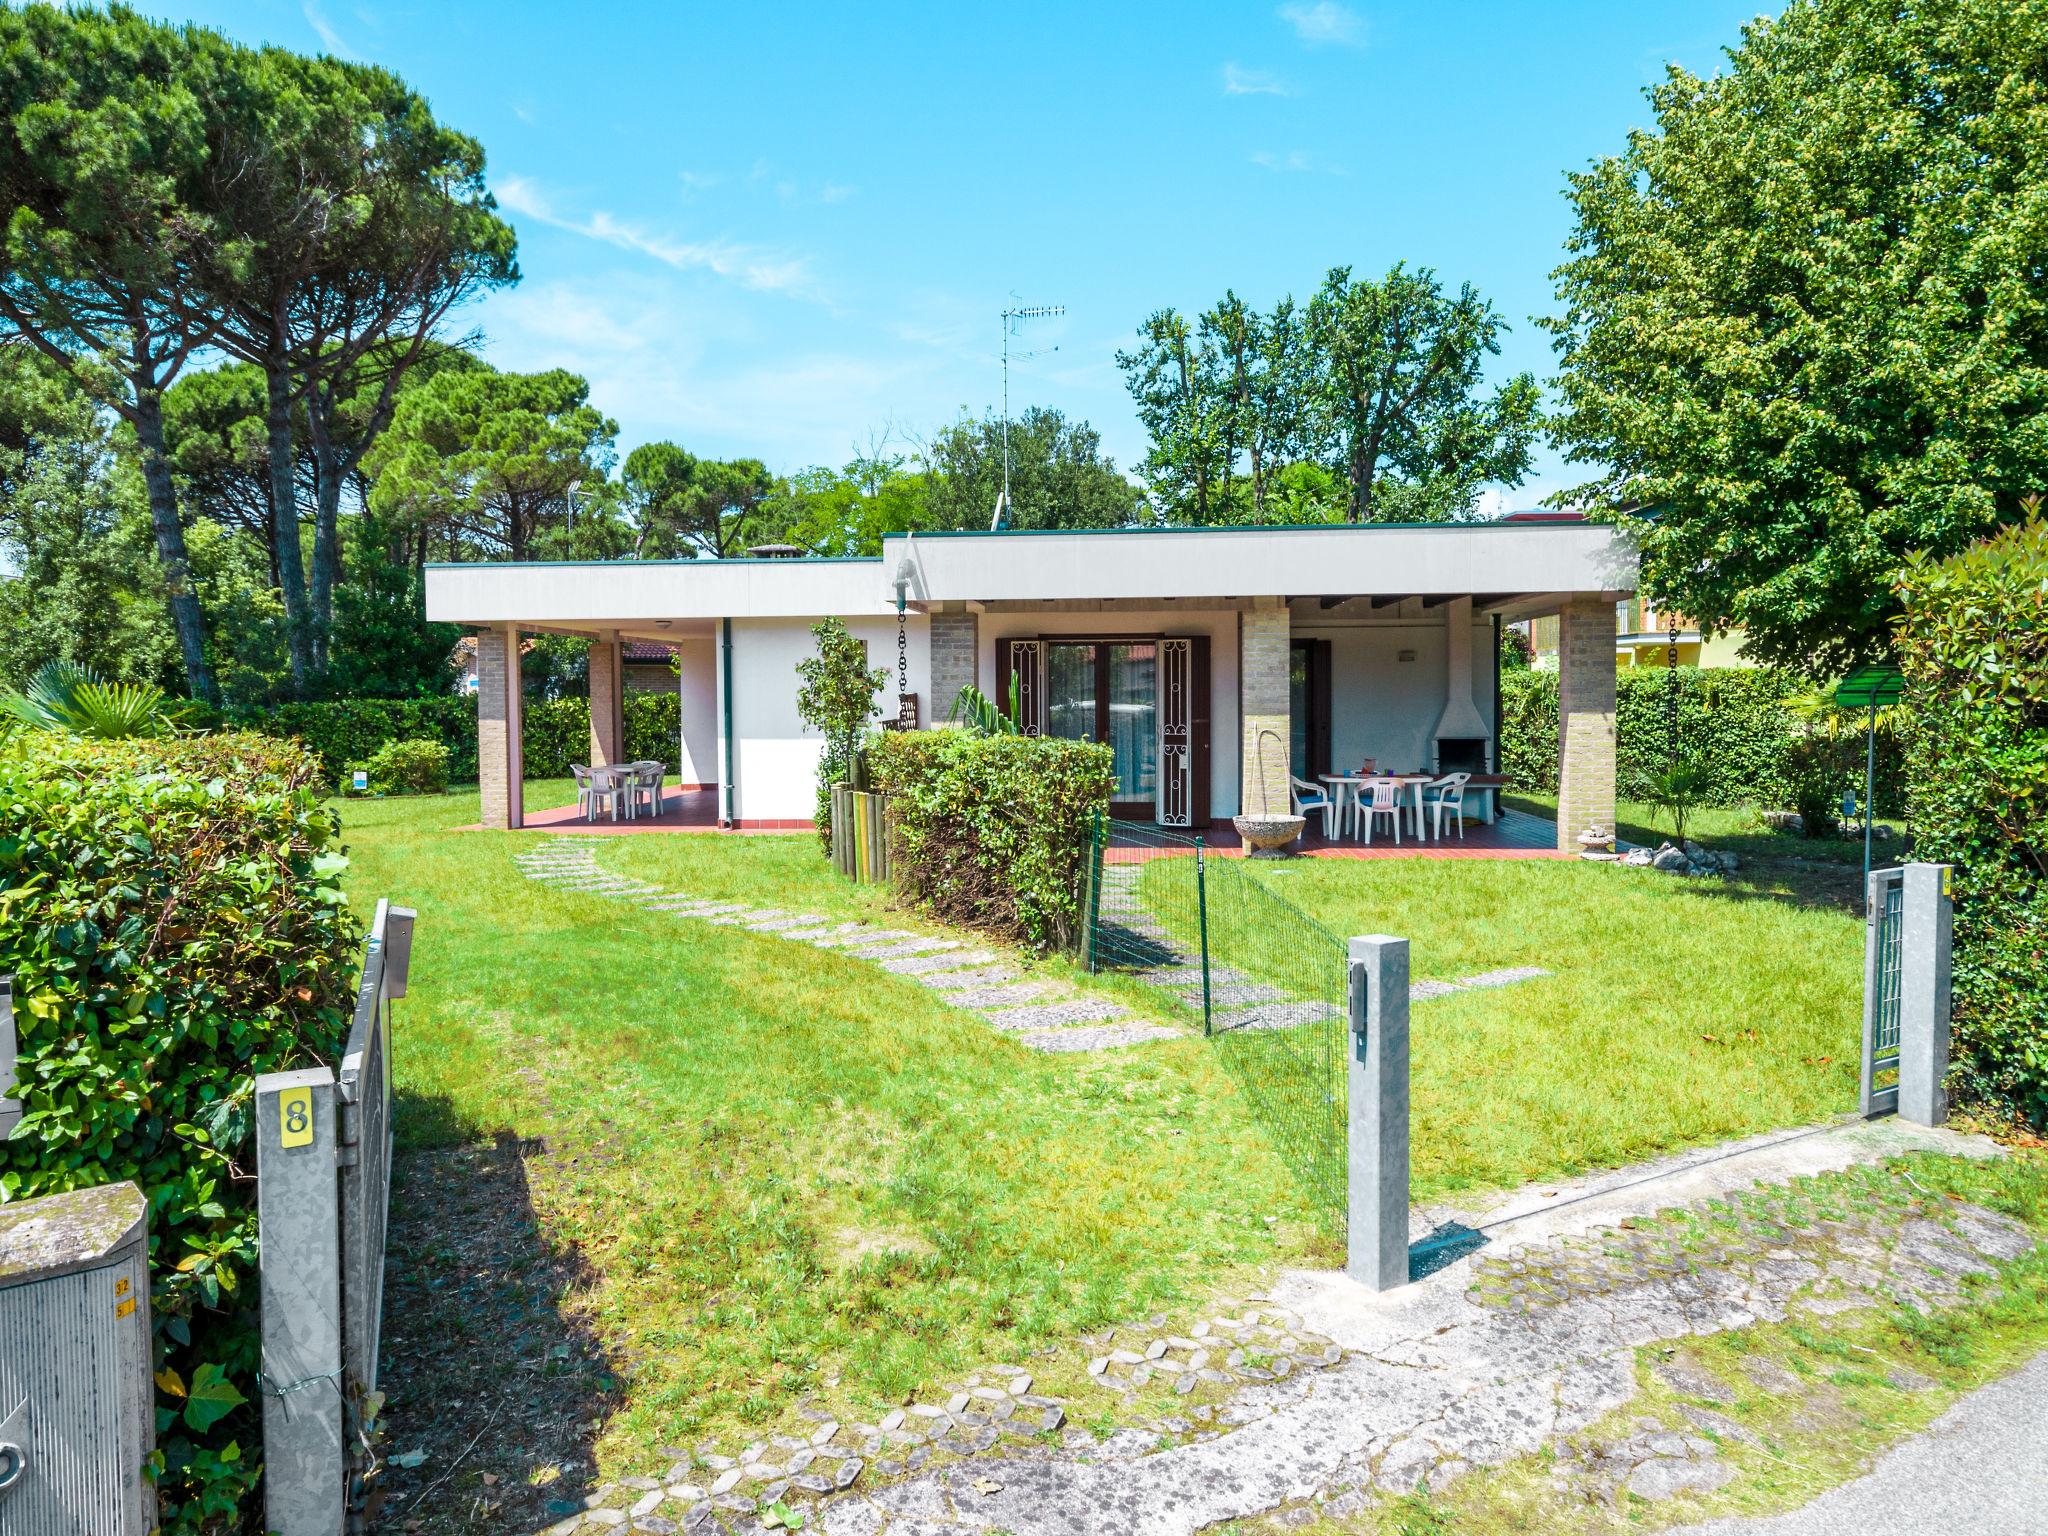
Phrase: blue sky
pixel 784 231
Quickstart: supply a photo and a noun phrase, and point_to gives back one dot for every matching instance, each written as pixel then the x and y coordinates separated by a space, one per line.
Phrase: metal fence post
pixel 1378 1087
pixel 1202 920
pixel 298 1210
pixel 1924 994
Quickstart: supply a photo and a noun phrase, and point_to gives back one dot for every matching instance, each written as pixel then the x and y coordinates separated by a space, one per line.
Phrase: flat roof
pixel 1539 559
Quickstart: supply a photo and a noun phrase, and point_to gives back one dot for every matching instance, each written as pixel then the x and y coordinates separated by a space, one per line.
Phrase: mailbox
pixel 76 1417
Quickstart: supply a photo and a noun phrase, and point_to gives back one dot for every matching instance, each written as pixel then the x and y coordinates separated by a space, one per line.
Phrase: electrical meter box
pixel 76 1421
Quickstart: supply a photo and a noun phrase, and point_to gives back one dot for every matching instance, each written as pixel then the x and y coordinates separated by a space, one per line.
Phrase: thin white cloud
pixel 745 264
pixel 1253 82
pixel 833 192
pixel 1324 22
pixel 1295 161
pixel 330 39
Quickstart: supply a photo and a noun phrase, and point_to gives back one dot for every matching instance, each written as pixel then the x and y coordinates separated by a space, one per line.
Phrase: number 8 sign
pixel 295 1117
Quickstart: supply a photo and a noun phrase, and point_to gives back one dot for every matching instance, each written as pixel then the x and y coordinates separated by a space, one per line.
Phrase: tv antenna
pixel 1013 317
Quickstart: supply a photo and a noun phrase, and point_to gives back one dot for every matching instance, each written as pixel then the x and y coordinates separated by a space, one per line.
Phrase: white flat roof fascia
pixel 1217 563
pixel 607 593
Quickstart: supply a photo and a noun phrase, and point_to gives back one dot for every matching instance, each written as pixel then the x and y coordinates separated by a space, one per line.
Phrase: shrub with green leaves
pixel 555 734
pixel 171 915
pixel 1973 644
pixel 408 768
pixel 1754 740
pixel 992 832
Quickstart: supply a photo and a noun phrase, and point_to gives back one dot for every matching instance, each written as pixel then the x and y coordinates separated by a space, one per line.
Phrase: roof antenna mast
pixel 1014 316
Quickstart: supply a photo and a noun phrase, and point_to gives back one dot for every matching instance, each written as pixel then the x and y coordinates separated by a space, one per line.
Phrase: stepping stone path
pixel 1132 930
pixel 1041 1015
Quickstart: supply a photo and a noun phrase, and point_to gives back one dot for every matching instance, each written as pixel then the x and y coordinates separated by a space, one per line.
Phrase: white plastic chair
pixel 586 791
pixel 645 783
pixel 1447 792
pixel 1386 801
pixel 1314 797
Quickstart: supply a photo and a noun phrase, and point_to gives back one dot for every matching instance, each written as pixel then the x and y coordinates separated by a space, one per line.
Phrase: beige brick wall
pixel 1263 637
pixel 607 724
pixel 498 747
pixel 1585 719
pixel 954 647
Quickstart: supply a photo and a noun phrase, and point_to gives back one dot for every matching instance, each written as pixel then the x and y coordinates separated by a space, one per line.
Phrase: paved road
pixel 1981 1469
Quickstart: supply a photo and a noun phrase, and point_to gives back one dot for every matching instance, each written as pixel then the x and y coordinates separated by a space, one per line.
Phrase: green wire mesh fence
pixel 1270 982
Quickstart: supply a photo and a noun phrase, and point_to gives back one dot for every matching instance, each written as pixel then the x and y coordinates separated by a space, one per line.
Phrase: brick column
pixel 607 719
pixel 1263 702
pixel 500 764
pixel 1585 719
pixel 955 639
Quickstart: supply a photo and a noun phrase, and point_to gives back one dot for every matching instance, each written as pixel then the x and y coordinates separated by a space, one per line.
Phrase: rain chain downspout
pixel 732 788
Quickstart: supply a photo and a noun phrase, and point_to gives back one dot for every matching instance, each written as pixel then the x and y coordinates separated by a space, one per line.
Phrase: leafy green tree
pixel 1171 377
pixel 1401 368
pixel 75 535
pixel 215 434
pixel 482 462
pixel 383 645
pixel 1802 317
pixel 837 698
pixel 1059 477
pixel 847 511
pixel 105 137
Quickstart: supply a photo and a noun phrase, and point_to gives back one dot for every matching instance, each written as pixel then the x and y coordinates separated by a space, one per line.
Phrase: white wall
pixel 1385 708
pixel 1220 625
pixel 698 661
pixel 776 762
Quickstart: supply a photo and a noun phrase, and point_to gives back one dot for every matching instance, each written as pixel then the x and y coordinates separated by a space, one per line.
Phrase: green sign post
pixel 1870 687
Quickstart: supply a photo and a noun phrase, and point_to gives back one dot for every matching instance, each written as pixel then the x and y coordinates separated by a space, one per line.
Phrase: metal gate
pixel 1883 990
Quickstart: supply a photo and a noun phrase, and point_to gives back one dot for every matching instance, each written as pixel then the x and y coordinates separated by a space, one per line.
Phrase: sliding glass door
pixel 1108 691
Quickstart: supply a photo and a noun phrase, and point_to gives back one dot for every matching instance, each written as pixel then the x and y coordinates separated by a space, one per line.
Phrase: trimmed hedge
pixel 992 832
pixel 1973 643
pixel 556 732
pixel 170 912
pixel 1734 722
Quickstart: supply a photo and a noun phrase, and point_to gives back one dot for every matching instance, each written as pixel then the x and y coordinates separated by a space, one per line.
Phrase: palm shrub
pixel 1973 644
pixel 75 700
pixel 171 915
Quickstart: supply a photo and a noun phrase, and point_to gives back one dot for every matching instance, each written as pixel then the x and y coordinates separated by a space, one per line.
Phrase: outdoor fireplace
pixel 1460 754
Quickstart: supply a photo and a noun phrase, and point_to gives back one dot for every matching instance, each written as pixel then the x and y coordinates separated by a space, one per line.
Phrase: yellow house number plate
pixel 295 1117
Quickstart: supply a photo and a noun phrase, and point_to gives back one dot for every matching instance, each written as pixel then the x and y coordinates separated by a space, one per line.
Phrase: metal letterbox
pixel 75 1394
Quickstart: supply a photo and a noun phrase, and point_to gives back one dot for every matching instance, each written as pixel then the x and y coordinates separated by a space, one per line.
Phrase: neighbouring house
pixel 1645 637
pixel 1214 662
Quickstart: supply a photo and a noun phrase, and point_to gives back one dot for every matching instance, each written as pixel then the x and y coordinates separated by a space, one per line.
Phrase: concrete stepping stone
pixel 739 913
pixel 782 923
pixel 1080 1010
pixel 1277 1016
pixel 905 947
pixel 862 933
pixel 999 996
pixel 1503 978
pixel 951 964
pixel 967 980
pixel 1100 1037
pixel 1422 991
pixel 1236 992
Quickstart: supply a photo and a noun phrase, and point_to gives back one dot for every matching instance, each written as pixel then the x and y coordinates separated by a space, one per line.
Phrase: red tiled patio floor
pixel 1514 836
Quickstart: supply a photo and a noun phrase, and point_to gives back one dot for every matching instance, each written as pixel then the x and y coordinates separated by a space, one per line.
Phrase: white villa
pixel 1212 661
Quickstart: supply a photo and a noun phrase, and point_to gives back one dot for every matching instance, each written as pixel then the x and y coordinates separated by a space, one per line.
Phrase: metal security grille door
pixel 1184 731
pixel 1023 685
pixel 1883 990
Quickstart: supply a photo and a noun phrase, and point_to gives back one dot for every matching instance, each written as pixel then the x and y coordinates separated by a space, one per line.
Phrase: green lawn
pixel 747 1172
pixel 1736 828
pixel 779 1171
pixel 1679 1011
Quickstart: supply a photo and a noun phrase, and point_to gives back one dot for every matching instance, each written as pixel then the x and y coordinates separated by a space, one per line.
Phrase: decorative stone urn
pixel 1596 844
pixel 1268 836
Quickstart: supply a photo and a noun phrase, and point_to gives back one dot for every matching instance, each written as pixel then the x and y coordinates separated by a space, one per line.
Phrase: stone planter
pixel 1268 836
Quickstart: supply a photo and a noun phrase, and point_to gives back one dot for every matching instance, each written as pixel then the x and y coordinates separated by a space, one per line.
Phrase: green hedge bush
pixel 407 768
pixel 992 832
pixel 1973 643
pixel 556 732
pixel 170 912
pixel 1736 722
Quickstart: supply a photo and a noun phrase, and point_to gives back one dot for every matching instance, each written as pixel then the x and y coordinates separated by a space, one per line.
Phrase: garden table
pixel 1353 785
pixel 609 781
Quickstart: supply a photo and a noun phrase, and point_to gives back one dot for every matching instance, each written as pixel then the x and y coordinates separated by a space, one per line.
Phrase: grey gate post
pixel 298 1213
pixel 1924 943
pixel 1378 1085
